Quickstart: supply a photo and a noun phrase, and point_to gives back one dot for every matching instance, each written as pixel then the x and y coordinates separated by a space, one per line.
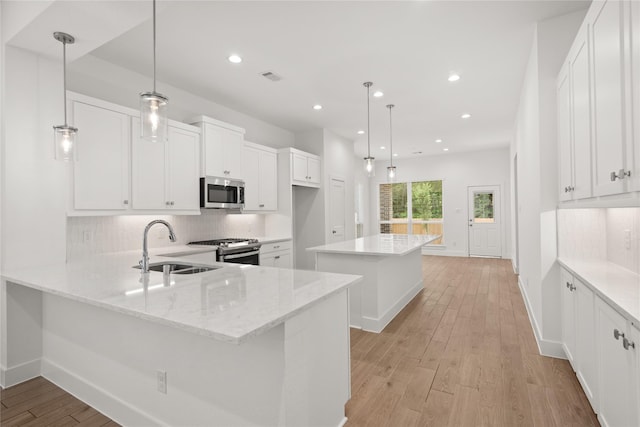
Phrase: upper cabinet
pixel 166 176
pixel 260 172
pixel 305 168
pixel 221 148
pixel 101 169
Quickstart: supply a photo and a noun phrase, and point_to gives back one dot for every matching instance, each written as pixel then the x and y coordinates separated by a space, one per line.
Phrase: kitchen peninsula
pixel 391 265
pixel 236 346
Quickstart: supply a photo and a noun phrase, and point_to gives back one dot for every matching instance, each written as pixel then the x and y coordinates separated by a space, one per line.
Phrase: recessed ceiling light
pixel 438 141
pixel 382 147
pixel 317 107
pixel 360 132
pixel 235 59
pixel 453 77
pixel 395 154
pixel 465 116
pixel 378 94
pixel 445 149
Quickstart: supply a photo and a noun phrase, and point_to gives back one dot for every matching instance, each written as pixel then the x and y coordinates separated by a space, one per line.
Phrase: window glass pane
pixel 393 201
pixel 426 197
pixel 432 228
pixel 483 207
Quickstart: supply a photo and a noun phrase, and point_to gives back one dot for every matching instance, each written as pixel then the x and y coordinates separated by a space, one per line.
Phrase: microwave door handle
pixel 240 255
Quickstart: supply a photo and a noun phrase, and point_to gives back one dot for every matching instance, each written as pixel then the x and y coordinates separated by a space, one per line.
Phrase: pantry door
pixel 485 221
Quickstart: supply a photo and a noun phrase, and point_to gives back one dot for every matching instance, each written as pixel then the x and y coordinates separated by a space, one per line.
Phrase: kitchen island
pixel 391 265
pixel 236 346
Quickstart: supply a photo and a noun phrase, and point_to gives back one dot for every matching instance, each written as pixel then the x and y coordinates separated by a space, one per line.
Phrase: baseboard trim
pixel 545 347
pixel 371 324
pixel 94 396
pixel 443 252
pixel 514 266
pixel 343 422
pixel 19 373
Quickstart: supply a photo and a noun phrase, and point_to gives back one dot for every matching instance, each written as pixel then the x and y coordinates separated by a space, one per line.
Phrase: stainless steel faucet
pixel 144 263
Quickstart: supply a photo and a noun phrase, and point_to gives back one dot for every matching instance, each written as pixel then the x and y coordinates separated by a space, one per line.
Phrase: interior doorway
pixel 485 222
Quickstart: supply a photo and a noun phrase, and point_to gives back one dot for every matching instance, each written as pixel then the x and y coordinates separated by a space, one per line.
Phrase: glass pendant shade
pixel 369 166
pixel 391 172
pixel 153 115
pixel 64 139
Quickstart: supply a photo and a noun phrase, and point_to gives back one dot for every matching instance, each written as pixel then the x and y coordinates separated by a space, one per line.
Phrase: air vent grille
pixel 271 76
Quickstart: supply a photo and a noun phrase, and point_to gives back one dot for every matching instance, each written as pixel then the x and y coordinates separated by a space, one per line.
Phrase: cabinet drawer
pixel 276 246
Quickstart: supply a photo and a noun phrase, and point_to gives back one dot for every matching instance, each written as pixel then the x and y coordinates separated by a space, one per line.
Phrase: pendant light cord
pixel 154 46
pixel 368 123
pixel 64 79
pixel 390 137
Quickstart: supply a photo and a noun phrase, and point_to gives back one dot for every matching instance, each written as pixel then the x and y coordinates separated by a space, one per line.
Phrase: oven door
pixel 221 193
pixel 251 257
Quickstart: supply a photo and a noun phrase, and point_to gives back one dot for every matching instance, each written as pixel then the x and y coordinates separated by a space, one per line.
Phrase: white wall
pixel 95 77
pixel 536 149
pixel 457 171
pixel 362 197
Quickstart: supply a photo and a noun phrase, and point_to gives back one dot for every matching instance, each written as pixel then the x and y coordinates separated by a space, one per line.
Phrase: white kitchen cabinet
pixel 565 158
pixel 101 168
pixel 606 20
pixel 278 254
pixel 633 80
pixel 305 168
pixel 617 343
pixel 165 175
pixel 568 317
pixel 221 148
pixel 260 171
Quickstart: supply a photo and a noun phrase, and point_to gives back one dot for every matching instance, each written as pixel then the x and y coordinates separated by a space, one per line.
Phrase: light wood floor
pixel 462 353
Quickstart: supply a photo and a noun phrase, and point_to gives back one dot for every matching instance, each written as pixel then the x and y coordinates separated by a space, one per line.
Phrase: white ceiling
pixel 325 50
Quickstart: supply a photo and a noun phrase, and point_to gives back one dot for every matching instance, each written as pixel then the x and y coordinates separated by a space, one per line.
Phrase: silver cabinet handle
pixel 620 175
pixel 262 206
pixel 126 202
pixel 172 203
pixel 572 287
pixel 626 344
pixel 617 334
pixel 568 285
pixel 167 203
pixel 276 257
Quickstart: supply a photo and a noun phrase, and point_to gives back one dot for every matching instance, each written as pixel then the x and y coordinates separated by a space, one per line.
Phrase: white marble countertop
pixel 379 244
pixel 616 285
pixel 229 304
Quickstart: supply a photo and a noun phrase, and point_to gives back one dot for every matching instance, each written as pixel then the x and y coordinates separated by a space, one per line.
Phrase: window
pixel 412 208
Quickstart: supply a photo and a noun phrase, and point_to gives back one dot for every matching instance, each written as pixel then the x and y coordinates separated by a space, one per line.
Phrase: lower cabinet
pixel 277 254
pixel 618 367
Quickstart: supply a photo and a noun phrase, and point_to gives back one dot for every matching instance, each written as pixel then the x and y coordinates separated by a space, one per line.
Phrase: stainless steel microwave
pixel 221 193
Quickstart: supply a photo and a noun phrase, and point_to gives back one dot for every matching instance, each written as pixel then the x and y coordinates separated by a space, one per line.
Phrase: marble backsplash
pixel 611 234
pixel 95 235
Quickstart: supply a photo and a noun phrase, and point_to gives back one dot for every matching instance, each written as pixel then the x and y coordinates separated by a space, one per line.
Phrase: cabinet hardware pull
pixel 620 175
pixel 572 287
pixel 617 334
pixel 276 257
pixel 126 202
pixel 626 344
pixel 167 203
pixel 276 247
pixel 571 188
pixel 262 206
pixel 568 285
pixel 172 203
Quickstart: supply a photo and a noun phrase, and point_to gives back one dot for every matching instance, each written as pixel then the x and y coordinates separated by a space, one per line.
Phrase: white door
pixel 337 210
pixel 484 221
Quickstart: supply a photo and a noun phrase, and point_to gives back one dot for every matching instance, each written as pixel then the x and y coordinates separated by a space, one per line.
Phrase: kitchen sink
pixel 179 268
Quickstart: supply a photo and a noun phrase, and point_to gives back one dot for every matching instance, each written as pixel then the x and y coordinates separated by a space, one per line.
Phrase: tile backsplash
pixel 95 235
pixel 611 234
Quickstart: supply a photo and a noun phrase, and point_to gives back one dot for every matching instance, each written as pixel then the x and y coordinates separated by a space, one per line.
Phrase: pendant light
pixel 153 105
pixel 64 136
pixel 369 166
pixel 391 170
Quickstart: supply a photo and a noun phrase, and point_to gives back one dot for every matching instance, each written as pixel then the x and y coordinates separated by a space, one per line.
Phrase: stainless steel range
pixel 240 251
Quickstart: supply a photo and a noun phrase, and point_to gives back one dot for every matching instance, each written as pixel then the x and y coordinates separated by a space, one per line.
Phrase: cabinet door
pixel 565 162
pixel 268 181
pixel 585 354
pixel 313 169
pixel 282 260
pixel 581 117
pixel 608 141
pixel 251 172
pixel 232 152
pixel 101 172
pixel 268 260
pixel 616 366
pixel 568 316
pixel 148 170
pixel 213 140
pixel 299 168
pixel 183 182
pixel 633 149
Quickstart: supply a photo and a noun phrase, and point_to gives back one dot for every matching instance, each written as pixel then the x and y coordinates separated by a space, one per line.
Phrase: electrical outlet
pixel 162 381
pixel 627 239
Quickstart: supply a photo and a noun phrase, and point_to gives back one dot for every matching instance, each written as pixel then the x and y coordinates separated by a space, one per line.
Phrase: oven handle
pixel 241 255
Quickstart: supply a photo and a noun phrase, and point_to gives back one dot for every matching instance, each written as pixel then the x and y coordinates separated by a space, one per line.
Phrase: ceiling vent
pixel 271 76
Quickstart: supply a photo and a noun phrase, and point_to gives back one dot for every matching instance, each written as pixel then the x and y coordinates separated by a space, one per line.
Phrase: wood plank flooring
pixel 462 353
pixel 38 402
